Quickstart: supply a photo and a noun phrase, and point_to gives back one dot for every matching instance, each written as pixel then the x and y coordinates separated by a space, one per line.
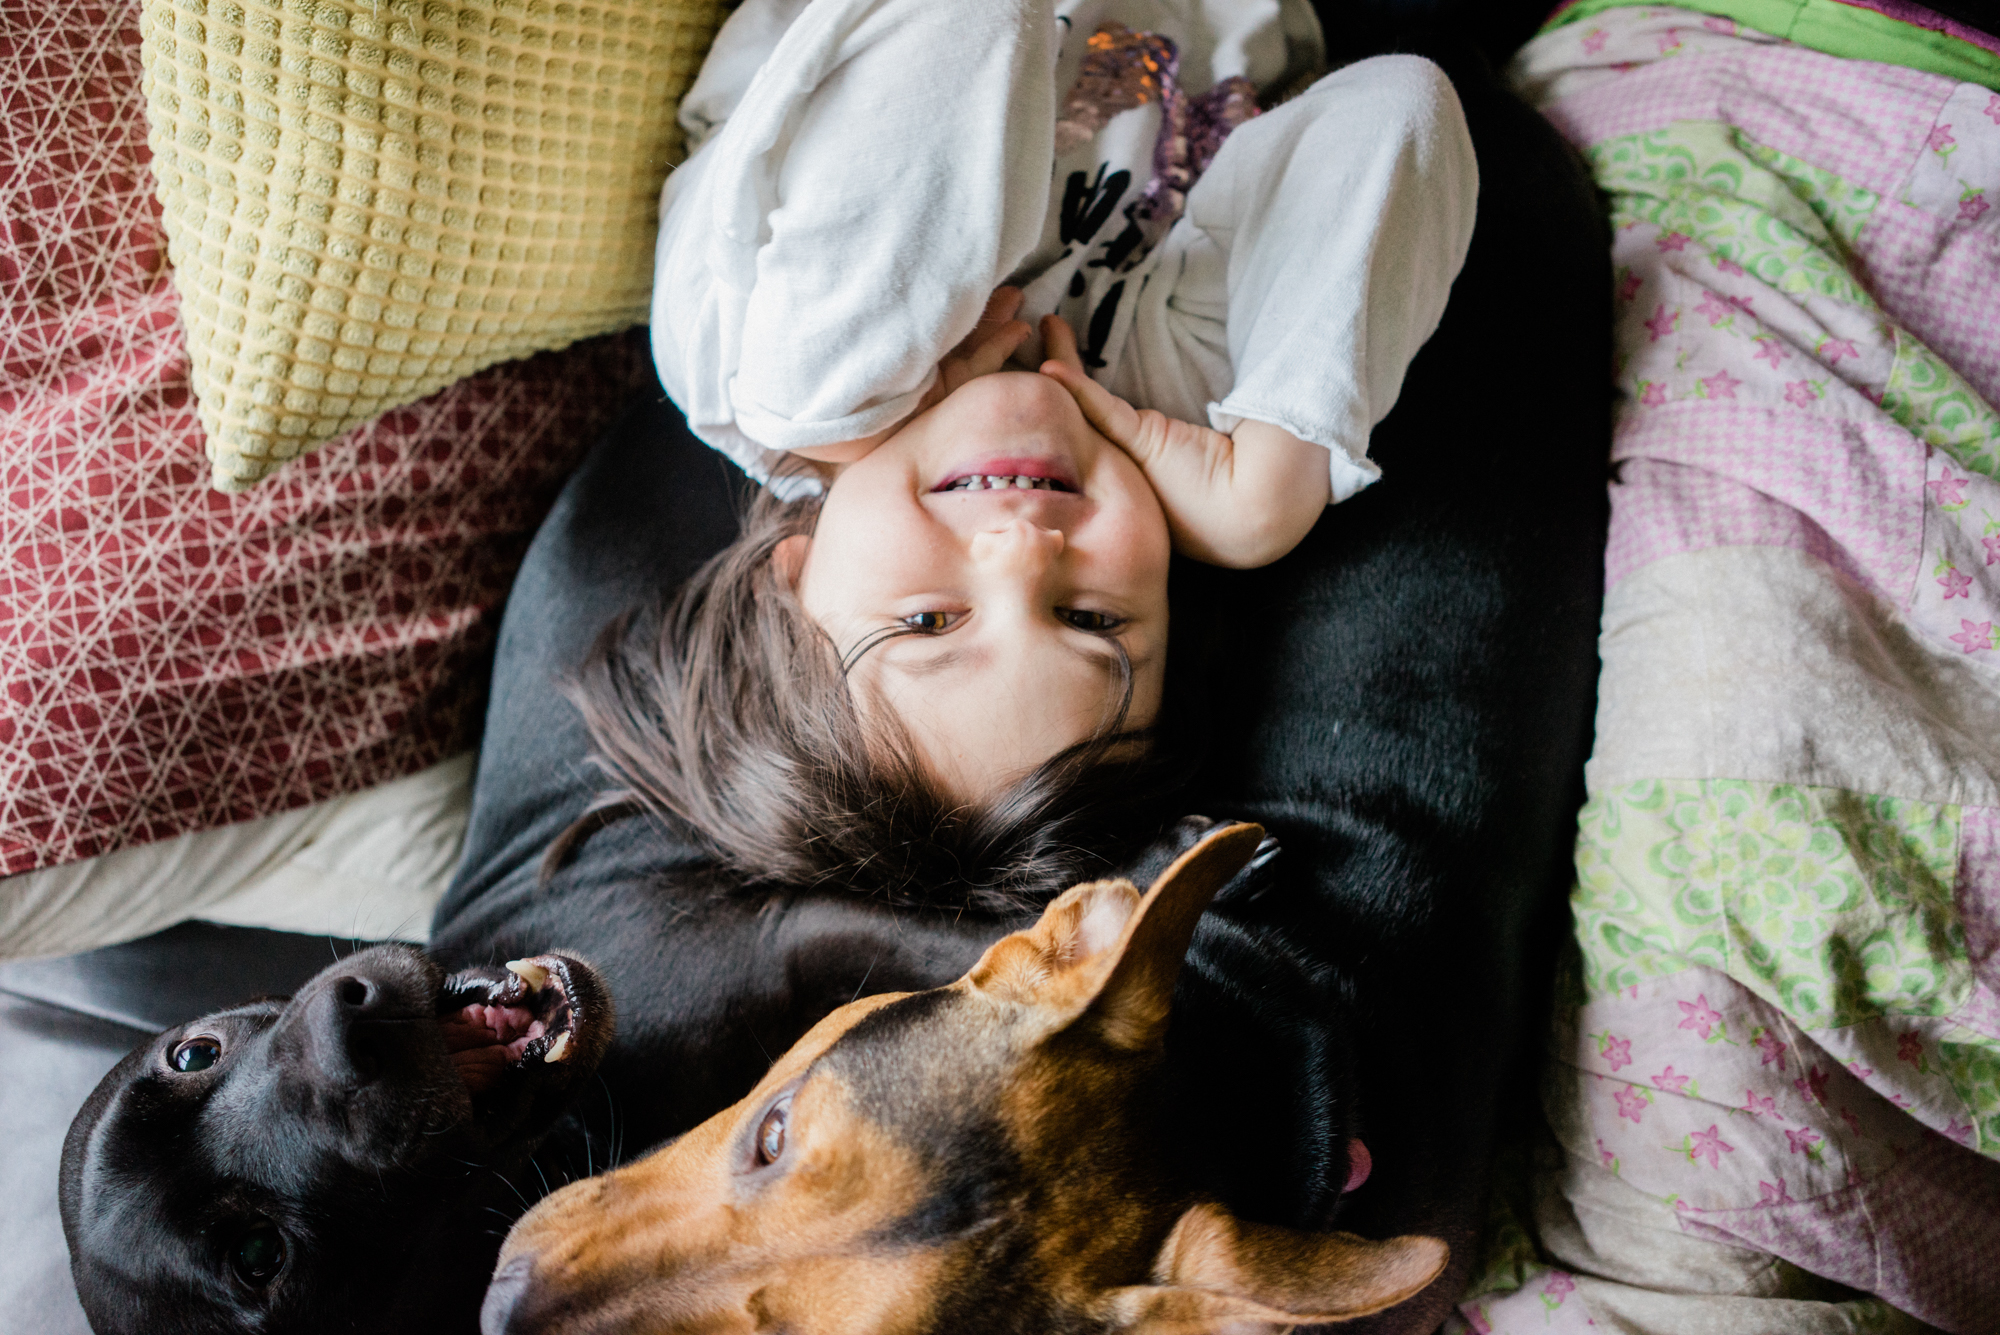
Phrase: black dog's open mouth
pixel 545 1011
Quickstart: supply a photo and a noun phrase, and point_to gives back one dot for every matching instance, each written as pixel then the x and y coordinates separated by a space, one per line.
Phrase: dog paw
pixel 1177 839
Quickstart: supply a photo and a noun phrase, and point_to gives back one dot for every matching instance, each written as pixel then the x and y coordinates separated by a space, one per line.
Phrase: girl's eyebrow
pixel 932 664
pixel 953 655
pixel 1100 649
pixel 1102 654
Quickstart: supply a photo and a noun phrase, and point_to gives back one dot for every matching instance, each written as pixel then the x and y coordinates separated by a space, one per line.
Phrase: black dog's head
pixel 309 1164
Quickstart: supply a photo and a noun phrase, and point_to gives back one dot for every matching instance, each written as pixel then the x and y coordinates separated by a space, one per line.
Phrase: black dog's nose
pixel 347 1024
pixel 503 1296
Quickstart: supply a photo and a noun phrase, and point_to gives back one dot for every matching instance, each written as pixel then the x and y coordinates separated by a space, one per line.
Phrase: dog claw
pixel 534 975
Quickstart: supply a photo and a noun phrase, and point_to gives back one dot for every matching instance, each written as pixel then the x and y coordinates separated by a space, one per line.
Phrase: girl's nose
pixel 1018 545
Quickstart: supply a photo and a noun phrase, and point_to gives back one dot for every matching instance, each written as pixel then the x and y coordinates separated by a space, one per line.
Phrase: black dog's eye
pixel 771 1135
pixel 259 1254
pixel 197 1054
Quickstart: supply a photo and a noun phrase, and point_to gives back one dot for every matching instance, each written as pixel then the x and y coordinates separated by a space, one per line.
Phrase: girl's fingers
pixel 1116 420
pixel 1003 305
pixel 1059 342
pixel 995 346
pixel 996 337
pixel 999 314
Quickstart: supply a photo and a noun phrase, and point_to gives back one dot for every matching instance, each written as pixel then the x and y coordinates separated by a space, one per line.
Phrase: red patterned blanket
pixel 173 659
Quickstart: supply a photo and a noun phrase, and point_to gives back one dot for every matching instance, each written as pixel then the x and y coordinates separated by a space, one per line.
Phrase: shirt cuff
pixel 1348 471
pixel 1349 474
pixel 774 432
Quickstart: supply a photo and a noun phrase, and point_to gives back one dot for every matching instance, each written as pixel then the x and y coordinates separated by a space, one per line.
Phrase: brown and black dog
pixel 987 1155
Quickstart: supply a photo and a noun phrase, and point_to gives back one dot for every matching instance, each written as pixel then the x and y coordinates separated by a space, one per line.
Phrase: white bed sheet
pixel 369 866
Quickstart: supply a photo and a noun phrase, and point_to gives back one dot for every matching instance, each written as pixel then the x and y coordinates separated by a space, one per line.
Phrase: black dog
pixel 337 1140
pixel 1404 701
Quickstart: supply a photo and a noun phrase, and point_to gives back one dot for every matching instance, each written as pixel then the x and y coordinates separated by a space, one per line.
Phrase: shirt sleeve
pixel 885 168
pixel 1338 223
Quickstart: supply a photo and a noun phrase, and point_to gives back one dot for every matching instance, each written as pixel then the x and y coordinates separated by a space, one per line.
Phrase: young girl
pixel 949 614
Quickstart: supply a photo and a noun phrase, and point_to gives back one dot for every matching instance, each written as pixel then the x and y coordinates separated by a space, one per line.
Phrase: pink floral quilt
pixel 1777 1079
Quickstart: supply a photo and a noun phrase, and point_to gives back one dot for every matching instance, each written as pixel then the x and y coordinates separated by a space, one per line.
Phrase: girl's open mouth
pixel 1011 475
pixel 1001 482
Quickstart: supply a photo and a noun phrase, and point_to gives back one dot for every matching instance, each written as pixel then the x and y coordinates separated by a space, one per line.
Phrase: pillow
pixel 366 200
pixel 173 659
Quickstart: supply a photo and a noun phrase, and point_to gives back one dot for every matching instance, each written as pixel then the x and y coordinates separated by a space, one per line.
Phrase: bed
pixel 1774 1086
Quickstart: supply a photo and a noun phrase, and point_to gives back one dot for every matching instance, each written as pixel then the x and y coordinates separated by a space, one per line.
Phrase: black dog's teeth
pixel 507 990
pixel 541 990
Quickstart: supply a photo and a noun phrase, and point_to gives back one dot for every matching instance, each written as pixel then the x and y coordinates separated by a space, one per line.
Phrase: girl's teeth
pixel 994 481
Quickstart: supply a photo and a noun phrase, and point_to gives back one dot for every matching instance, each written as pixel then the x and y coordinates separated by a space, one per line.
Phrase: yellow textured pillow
pixel 366 200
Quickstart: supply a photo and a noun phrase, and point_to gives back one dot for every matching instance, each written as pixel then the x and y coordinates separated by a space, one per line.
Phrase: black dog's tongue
pixel 484 1040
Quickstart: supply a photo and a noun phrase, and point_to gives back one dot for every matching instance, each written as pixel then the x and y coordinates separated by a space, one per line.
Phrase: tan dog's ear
pixel 1104 953
pixel 1217 1275
pixel 1060 961
pixel 1131 1006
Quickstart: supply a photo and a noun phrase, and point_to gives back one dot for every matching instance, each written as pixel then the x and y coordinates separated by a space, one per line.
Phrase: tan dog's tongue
pixel 1359 1164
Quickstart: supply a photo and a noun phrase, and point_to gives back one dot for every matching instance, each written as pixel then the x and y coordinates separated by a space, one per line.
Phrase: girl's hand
pixel 986 349
pixel 1239 501
pixel 982 352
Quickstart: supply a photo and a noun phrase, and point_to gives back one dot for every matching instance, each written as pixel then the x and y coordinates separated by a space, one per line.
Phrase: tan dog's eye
pixel 771 1135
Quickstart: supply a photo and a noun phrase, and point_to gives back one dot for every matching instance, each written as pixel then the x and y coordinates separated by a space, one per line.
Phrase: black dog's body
pixel 1404 702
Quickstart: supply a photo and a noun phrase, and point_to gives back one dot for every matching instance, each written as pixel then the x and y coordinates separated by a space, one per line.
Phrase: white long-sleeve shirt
pixel 865 172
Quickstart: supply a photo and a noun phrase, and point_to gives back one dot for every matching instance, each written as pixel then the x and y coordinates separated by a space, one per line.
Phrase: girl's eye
pixel 197 1054
pixel 1097 623
pixel 771 1135
pixel 931 623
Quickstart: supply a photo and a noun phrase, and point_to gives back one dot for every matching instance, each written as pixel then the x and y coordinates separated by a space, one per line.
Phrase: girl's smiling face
pixel 983 615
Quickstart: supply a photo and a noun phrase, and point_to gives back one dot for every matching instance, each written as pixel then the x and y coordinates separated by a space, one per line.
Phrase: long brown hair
pixel 725 712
